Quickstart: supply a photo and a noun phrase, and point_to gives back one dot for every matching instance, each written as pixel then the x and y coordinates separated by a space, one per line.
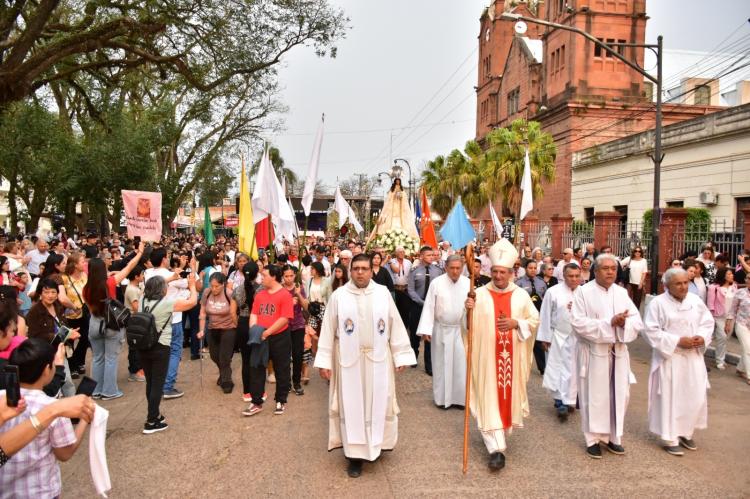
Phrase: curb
pixel 731 358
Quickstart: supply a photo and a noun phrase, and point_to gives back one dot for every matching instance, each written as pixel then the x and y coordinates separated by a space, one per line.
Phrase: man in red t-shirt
pixel 273 309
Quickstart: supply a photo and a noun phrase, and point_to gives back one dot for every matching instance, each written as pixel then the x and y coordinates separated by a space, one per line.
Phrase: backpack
pixel 116 314
pixel 141 331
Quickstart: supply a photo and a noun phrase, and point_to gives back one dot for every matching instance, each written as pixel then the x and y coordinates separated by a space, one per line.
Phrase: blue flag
pixel 418 215
pixel 457 229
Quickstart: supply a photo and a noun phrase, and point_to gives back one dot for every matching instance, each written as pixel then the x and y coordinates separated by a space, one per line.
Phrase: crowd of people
pixel 356 314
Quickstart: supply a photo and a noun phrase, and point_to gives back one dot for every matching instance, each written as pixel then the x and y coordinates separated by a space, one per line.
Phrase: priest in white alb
pixel 678 326
pixel 441 325
pixel 362 340
pixel 504 326
pixel 559 341
pixel 604 320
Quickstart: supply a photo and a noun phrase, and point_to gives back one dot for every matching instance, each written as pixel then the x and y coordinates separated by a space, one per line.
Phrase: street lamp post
pixel 411 180
pixel 657 156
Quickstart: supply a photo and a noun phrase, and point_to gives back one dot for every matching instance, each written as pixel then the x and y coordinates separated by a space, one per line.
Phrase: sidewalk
pixel 734 349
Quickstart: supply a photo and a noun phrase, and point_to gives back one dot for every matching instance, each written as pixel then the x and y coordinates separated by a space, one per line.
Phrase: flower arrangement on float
pixel 396 238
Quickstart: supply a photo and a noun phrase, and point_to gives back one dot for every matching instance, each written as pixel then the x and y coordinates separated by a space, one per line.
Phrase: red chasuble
pixel 504 357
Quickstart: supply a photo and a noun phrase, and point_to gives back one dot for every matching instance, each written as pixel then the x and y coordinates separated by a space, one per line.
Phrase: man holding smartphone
pixel 34 472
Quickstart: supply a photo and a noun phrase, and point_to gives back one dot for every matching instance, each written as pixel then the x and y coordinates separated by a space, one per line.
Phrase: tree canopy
pixel 152 94
pixel 479 176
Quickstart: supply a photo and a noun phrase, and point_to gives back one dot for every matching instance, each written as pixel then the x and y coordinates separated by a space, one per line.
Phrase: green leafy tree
pixel 458 174
pixel 504 161
pixel 207 42
pixel 215 187
pixel 34 152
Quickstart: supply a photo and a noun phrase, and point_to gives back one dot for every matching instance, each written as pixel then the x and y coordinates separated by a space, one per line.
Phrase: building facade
pixel 579 93
pixel 706 165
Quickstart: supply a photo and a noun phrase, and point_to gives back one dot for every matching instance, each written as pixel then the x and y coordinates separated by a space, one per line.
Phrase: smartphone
pixel 86 386
pixel 12 386
pixel 55 343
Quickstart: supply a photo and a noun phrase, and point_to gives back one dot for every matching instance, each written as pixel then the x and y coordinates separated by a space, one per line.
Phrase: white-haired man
pixel 345 259
pixel 440 325
pixel 604 320
pixel 678 326
pixel 505 321
pixel 568 257
pixel 560 342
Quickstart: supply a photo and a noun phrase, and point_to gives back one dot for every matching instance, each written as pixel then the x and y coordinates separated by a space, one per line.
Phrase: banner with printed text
pixel 143 214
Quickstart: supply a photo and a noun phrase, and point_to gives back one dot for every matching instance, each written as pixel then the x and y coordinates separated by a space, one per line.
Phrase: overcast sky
pixel 412 63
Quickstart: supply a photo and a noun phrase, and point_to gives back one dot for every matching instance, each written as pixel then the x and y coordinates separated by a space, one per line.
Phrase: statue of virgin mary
pixel 396 213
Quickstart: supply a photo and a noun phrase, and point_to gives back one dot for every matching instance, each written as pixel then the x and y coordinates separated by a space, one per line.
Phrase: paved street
pixel 210 450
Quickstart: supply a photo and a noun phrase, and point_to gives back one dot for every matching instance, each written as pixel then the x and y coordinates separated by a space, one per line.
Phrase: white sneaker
pixel 720 366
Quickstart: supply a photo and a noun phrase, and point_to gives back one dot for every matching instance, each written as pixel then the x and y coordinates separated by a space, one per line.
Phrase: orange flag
pixel 427 228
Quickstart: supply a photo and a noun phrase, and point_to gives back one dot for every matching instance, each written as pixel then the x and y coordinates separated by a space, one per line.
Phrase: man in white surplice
pixel 604 320
pixel 559 341
pixel 678 326
pixel 362 339
pixel 441 325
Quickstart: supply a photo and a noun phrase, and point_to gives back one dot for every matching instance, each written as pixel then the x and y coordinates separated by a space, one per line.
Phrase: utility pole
pixel 613 49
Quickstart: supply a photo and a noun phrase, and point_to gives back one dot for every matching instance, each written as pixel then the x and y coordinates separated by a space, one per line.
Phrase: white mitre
pixel 503 254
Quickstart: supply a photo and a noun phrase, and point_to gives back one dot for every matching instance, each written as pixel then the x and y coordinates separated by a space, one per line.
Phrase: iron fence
pixel 577 234
pixel 630 235
pixel 725 238
pixel 538 234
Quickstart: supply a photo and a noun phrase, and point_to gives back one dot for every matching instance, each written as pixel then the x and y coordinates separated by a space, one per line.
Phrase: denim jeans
pixel 175 354
pixel 105 345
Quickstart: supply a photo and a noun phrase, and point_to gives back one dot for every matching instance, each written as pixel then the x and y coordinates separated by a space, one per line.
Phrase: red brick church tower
pixel 580 94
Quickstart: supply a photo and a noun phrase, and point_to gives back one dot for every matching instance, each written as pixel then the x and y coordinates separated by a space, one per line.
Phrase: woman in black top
pixel 547 270
pixel 380 274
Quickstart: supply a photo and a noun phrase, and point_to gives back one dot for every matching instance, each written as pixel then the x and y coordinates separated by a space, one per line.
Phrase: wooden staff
pixel 470 330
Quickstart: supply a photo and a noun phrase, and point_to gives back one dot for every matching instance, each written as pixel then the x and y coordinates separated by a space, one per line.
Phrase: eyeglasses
pixel 360 269
pixel 637 251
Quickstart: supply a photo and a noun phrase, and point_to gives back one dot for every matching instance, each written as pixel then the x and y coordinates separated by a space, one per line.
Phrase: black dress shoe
pixel 354 470
pixel 594 452
pixel 615 449
pixel 497 461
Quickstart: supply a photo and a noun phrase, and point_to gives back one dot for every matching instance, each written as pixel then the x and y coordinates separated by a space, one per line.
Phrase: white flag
pixel 496 222
pixel 345 211
pixel 312 172
pixel 527 201
pixel 266 197
pixel 286 223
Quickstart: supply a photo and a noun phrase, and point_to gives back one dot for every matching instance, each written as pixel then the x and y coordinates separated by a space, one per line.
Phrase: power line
pixel 372 130
pixel 637 114
pixel 437 106
pixel 412 144
pixel 435 94
pixel 717 47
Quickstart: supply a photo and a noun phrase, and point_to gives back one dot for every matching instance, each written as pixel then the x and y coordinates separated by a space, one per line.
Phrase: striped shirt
pixel 33 471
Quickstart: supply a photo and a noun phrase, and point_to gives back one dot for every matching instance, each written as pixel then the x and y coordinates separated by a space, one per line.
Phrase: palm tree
pixel 458 174
pixel 435 180
pixel 279 169
pixel 504 161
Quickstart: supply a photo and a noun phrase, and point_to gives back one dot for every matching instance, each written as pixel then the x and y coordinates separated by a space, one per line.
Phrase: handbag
pixel 85 312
